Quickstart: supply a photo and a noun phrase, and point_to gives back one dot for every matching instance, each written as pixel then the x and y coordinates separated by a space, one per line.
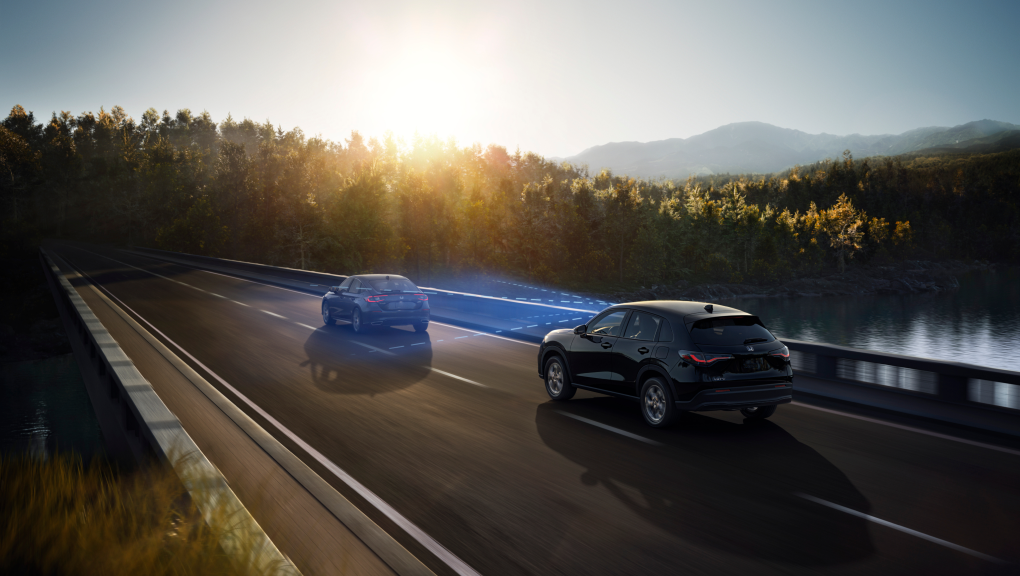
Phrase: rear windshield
pixel 732 331
pixel 394 284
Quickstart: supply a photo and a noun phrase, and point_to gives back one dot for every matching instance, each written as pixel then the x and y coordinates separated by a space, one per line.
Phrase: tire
pixel 557 380
pixel 657 403
pixel 758 412
pixel 421 326
pixel 356 323
pixel 327 317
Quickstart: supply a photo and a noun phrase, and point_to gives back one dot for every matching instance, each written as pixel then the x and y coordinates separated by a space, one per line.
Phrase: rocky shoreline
pixel 907 277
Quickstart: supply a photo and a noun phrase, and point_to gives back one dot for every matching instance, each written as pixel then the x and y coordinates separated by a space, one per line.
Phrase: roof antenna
pixel 709 308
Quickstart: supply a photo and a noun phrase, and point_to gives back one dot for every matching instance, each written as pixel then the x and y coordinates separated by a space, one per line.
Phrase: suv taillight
pixel 783 353
pixel 702 359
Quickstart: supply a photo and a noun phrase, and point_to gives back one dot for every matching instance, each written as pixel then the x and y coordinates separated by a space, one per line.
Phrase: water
pixel 977 324
pixel 45 408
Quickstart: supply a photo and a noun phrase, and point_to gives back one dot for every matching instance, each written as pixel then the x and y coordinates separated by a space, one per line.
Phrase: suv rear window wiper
pixel 753 340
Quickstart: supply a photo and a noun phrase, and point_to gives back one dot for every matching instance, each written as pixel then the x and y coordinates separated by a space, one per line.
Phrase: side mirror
pixel 334 289
pixel 582 329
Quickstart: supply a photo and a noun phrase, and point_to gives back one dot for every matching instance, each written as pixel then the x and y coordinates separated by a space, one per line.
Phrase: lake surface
pixel 44 408
pixel 977 324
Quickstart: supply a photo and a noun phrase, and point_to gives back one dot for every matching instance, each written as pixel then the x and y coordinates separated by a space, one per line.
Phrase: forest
pixel 432 209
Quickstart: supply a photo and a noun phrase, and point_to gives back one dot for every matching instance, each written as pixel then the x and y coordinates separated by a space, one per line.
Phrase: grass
pixel 60 517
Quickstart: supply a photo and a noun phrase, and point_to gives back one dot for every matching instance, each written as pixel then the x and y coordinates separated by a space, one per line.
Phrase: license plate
pixel 401 306
pixel 753 365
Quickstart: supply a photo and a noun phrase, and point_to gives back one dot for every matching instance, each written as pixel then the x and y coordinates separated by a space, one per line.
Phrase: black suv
pixel 376 300
pixel 673 356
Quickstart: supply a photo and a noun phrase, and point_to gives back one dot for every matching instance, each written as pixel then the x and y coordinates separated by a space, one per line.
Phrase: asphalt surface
pixel 452 429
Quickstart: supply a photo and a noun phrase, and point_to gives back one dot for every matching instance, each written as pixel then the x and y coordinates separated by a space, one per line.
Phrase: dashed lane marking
pixel 306 326
pixel 431 544
pixel 373 348
pixel 611 429
pixel 272 314
pixel 903 529
pixel 489 335
pixel 912 429
pixel 455 376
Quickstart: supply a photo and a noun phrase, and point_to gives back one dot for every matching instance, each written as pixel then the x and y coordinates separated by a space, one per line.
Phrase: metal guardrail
pixel 976 389
pixel 951 382
pixel 137 426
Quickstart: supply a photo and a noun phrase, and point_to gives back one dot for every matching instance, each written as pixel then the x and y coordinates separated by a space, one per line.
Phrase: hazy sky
pixel 553 77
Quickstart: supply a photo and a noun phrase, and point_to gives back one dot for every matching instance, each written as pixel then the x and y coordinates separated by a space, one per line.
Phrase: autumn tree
pixel 844 225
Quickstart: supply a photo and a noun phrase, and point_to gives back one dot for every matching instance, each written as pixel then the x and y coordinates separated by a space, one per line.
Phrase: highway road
pixel 452 431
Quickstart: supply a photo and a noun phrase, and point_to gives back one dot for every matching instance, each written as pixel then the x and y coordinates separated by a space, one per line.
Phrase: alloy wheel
pixel 655 403
pixel 555 378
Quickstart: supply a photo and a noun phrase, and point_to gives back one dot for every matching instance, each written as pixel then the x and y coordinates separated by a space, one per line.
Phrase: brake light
pixel 783 353
pixel 702 359
pixel 373 299
pixel 422 296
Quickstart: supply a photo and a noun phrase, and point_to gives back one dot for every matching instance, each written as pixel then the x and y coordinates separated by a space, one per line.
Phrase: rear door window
pixel 732 331
pixel 642 326
pixel 666 334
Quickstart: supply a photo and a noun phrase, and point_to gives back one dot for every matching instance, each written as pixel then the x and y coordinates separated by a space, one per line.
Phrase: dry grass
pixel 59 517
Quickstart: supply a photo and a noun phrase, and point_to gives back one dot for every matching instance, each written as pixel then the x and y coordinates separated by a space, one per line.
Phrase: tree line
pixel 246 190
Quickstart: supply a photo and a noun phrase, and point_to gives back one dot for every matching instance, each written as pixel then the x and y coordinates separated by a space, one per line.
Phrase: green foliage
pixel 251 191
pixel 197 232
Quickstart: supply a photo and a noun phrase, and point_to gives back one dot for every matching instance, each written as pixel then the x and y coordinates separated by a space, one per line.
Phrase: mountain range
pixel 757 147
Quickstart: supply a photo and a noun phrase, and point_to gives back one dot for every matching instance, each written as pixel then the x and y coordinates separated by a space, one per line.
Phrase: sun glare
pixel 428 91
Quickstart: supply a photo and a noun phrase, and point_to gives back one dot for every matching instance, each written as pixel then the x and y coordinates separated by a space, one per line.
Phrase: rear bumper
pixel 742 397
pixel 396 318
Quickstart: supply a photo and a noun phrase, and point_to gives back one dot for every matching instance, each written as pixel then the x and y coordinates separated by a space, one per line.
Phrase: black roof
pixel 379 276
pixel 678 309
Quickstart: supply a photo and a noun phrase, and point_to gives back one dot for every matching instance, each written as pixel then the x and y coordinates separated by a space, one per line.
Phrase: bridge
pixel 440 453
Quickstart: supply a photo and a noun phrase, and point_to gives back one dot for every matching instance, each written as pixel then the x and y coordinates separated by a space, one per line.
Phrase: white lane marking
pixel 395 347
pixel 611 429
pixel 430 543
pixel 208 272
pixel 273 314
pixel 533 326
pixel 903 529
pixel 296 292
pixel 241 303
pixel 486 334
pixel 459 337
pixel 372 348
pixel 216 295
pixel 518 328
pixel 912 429
pixel 306 326
pixel 455 376
pixel 418 344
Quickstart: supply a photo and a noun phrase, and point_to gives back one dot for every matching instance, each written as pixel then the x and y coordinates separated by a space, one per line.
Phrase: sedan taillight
pixel 422 296
pixel 703 359
pixel 373 299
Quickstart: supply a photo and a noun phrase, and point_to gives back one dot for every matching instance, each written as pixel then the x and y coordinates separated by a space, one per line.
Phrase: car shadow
pixel 379 361
pixel 716 484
